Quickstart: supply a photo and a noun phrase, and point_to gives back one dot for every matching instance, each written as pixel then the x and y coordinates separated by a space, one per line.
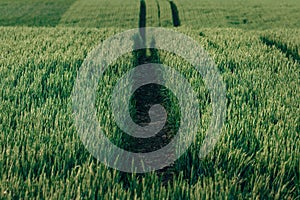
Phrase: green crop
pixel 42 156
pixel 254 14
pixel 255 46
pixel 109 14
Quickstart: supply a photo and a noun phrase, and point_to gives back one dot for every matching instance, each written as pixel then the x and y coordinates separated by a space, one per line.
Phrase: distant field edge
pixel 33 13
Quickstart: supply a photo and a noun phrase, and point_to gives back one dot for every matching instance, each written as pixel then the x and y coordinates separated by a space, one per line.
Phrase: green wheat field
pixel 256 47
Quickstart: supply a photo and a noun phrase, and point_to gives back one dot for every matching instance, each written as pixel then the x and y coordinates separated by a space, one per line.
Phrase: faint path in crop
pixel 175 14
pixel 290 53
pixel 158 13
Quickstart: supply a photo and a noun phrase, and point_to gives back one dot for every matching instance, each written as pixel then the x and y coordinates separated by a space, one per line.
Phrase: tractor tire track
pixel 147 96
pixel 158 13
pixel 175 14
pixel 289 53
pixel 142 19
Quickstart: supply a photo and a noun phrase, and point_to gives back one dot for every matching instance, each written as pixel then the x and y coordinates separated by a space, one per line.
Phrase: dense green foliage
pixel 258 154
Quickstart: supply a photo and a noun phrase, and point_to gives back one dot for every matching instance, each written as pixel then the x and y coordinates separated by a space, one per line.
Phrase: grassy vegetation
pixel 42 156
pixel 32 12
pixel 255 85
pixel 258 154
pixel 152 17
pixel 102 13
pixel 253 14
pixel 165 14
pixel 286 40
